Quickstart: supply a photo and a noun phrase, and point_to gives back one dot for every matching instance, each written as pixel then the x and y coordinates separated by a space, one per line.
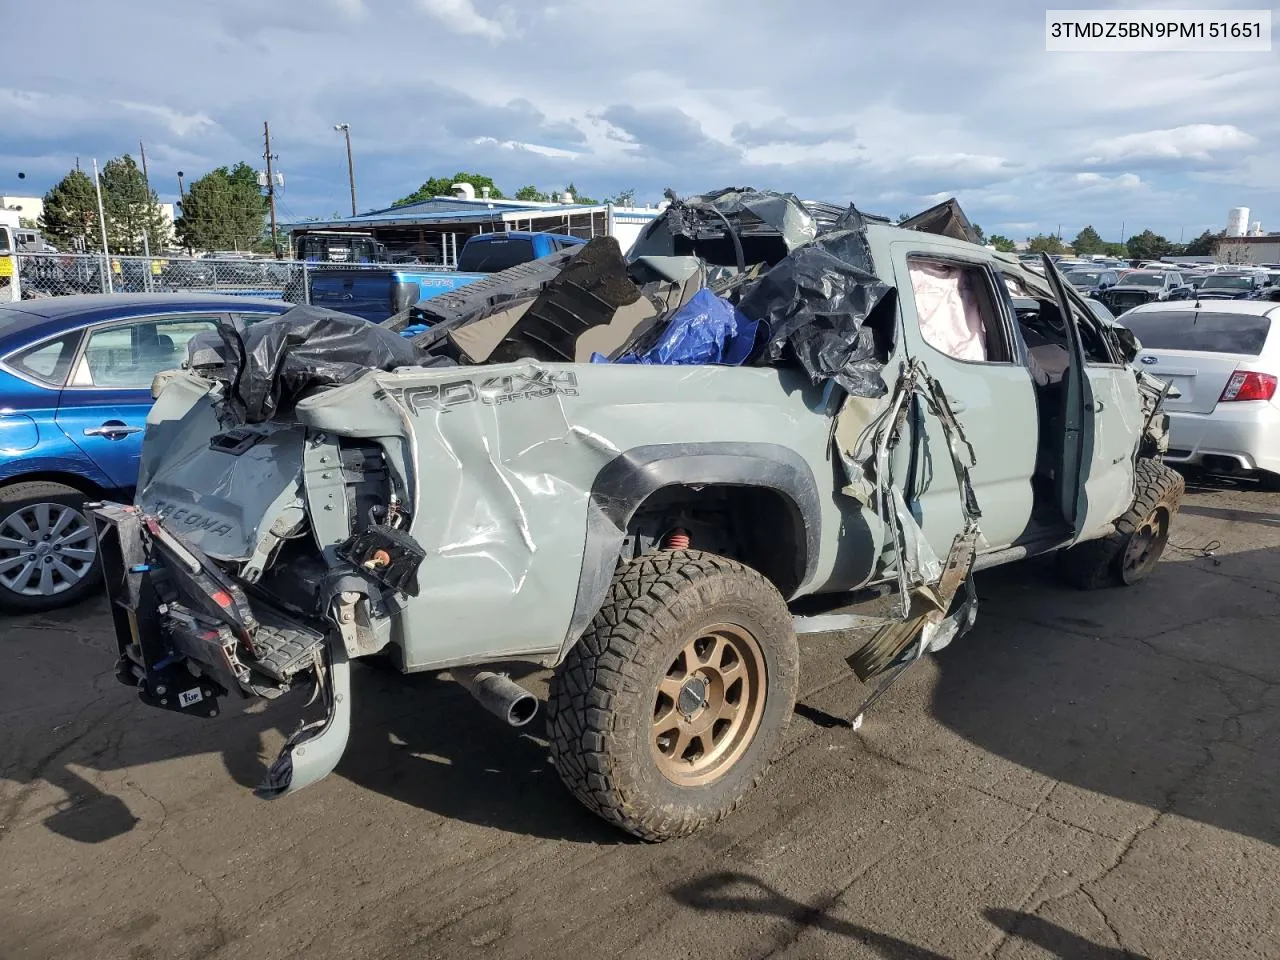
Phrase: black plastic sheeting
pixel 817 300
pixel 278 361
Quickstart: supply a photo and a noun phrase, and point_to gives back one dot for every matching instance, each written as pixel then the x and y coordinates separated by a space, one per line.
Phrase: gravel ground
pixel 1084 775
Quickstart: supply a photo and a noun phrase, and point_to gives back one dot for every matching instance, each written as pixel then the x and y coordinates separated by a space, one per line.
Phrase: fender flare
pixel 624 483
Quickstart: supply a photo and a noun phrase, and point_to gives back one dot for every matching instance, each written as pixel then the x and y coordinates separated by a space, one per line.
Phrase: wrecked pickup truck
pixel 652 474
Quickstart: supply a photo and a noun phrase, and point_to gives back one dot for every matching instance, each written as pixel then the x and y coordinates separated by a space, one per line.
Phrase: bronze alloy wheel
pixel 1146 545
pixel 708 706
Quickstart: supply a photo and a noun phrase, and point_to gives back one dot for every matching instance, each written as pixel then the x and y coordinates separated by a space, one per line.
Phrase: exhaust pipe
pixel 498 694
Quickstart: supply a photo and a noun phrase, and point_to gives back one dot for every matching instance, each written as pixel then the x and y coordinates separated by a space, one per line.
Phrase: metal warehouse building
pixel 433 231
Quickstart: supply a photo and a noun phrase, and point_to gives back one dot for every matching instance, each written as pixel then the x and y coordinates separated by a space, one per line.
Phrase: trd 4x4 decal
pixel 491 391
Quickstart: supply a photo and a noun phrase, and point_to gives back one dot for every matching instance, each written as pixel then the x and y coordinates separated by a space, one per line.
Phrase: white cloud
pixel 960 163
pixel 827 125
pixel 1196 141
pixel 461 16
pixel 1096 181
pixel 539 149
pixel 179 123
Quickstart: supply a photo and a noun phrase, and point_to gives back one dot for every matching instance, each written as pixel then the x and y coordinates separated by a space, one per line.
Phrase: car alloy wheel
pixel 45 549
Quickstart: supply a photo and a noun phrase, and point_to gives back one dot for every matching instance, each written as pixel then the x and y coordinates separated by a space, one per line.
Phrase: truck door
pixel 958 321
pixel 1102 422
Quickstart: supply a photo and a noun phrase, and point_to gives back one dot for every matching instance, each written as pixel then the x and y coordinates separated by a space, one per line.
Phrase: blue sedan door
pixel 104 406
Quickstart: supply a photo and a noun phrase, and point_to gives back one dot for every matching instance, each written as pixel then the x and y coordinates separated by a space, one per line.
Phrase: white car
pixel 1223 361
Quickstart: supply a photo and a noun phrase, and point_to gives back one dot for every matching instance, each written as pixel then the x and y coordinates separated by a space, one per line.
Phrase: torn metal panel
pixel 927 585
pixel 946 219
pixel 736 225
pixel 587 294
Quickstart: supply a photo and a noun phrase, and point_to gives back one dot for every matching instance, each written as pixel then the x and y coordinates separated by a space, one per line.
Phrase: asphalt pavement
pixel 1084 775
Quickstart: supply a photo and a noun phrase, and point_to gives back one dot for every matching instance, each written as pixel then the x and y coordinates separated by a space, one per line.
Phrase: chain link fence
pixel 64 274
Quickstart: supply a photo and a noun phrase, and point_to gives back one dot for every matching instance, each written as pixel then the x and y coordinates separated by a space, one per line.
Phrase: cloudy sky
pixel 892 105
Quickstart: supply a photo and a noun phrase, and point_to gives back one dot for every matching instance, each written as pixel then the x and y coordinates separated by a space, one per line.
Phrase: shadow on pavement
pixel 1156 694
pixel 424 741
pixel 418 739
pixel 742 893
pixel 1056 941
pixel 1153 695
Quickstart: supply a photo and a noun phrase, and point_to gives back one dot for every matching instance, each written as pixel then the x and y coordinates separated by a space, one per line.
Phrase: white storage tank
pixel 1237 221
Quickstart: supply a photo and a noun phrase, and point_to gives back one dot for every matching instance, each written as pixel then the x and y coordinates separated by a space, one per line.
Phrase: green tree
pixel 1045 243
pixel 443 187
pixel 532 193
pixel 132 209
pixel 1149 246
pixel 223 210
pixel 623 198
pixel 70 217
pixel 1116 250
pixel 982 237
pixel 1203 245
pixel 1087 241
pixel 28 223
pixel 1003 244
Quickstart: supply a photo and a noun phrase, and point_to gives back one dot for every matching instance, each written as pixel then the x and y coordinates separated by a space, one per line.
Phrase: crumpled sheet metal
pixel 817 300
pixel 945 219
pixel 509 455
pixel 743 207
pixel 285 358
pixel 927 584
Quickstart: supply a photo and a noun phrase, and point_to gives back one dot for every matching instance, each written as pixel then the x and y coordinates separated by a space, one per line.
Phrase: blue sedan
pixel 75 389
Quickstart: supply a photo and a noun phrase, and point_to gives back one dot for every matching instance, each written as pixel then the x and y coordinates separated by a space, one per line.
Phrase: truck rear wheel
pixel 674 702
pixel 1130 553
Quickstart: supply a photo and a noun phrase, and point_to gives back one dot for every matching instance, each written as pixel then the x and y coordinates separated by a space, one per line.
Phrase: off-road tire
pixel 601 706
pixel 15 497
pixel 1101 563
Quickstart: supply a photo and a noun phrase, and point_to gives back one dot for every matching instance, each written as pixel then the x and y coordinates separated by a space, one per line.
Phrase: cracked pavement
pixel 1084 775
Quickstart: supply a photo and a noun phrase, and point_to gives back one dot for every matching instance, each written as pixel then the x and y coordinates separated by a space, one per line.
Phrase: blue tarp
pixel 706 330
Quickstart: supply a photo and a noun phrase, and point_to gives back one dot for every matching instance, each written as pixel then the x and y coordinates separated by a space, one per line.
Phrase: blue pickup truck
pixel 377 293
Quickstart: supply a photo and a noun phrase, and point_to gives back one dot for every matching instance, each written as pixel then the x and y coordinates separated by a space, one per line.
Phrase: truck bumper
pixel 188 636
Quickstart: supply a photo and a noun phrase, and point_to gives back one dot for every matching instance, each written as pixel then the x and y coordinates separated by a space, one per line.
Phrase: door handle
pixel 112 431
pixel 1095 407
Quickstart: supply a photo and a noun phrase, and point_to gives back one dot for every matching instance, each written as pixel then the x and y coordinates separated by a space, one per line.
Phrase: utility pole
pixel 146 210
pixel 271 185
pixel 102 222
pixel 351 169
pixel 182 190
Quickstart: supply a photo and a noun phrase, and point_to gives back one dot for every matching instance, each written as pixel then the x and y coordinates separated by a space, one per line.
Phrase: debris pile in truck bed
pixel 735 277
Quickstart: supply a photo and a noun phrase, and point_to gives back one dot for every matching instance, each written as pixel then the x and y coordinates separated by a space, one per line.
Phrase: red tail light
pixel 1248 385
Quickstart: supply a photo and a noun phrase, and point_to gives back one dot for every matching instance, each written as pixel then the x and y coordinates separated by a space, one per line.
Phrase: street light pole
pixel 345 128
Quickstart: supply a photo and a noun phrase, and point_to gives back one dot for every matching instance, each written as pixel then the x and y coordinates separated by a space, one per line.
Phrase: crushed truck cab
pixel 652 474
